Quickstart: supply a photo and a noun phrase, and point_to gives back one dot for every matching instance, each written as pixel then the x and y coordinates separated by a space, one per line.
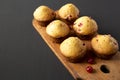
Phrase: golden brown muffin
pixel 85 26
pixel 43 13
pixel 104 46
pixel 69 11
pixel 73 48
pixel 57 29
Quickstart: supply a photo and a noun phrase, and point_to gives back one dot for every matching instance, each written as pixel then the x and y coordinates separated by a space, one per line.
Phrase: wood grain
pixel 78 70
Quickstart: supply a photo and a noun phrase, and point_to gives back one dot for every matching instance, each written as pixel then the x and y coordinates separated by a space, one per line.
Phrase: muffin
pixel 57 29
pixel 44 13
pixel 73 49
pixel 85 26
pixel 105 46
pixel 69 11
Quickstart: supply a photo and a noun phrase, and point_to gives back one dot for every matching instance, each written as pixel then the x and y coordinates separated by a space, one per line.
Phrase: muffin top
pixel 105 44
pixel 57 29
pixel 43 13
pixel 85 26
pixel 68 11
pixel 73 47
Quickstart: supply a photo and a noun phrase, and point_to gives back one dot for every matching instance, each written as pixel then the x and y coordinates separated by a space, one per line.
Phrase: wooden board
pixel 78 70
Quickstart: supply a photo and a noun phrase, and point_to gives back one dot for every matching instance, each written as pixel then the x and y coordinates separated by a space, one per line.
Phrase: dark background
pixel 23 53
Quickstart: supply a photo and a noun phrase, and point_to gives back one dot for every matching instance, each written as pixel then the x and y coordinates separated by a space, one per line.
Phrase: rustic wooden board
pixel 78 70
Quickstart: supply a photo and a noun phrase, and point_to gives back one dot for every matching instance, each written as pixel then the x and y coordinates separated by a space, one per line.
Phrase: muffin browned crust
pixel 73 48
pixel 68 11
pixel 44 13
pixel 57 29
pixel 85 26
pixel 105 46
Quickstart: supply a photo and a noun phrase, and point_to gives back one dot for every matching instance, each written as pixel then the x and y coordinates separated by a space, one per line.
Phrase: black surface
pixel 23 53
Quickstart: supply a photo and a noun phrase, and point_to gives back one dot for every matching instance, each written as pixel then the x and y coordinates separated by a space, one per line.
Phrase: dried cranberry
pixel 80 24
pixel 69 17
pixel 90 60
pixel 89 69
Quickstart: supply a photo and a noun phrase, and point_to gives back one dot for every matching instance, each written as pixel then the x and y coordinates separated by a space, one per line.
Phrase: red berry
pixel 90 60
pixel 80 24
pixel 89 69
